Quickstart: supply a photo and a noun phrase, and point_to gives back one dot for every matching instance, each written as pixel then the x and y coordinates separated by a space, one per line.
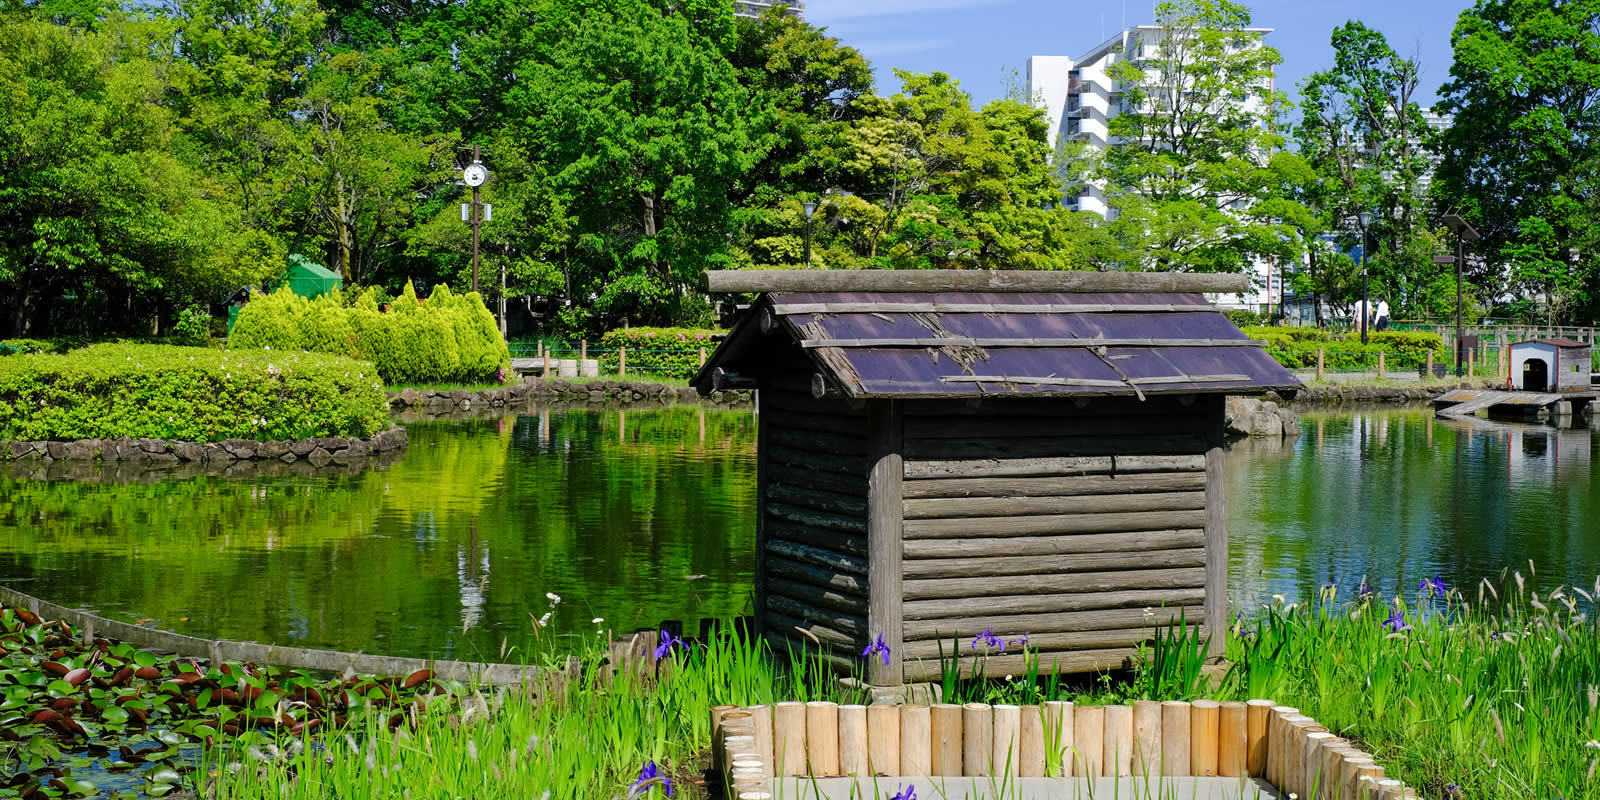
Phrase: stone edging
pixel 1342 393
pixel 319 451
pixel 533 388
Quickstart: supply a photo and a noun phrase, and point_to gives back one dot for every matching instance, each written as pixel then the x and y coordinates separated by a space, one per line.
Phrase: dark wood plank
pixel 854 544
pixel 1003 585
pixel 1120 464
pixel 1131 542
pixel 965 628
pixel 1055 446
pixel 1031 603
pixel 842 582
pixel 753 281
pixel 819 596
pixel 814 442
pixel 1001 426
pixel 816 519
pixel 816 499
pixel 1043 642
pixel 919 569
pixel 1055 487
pixel 986 507
pixel 816 556
pixel 853 465
pixel 1053 524
pixel 852 625
pixel 930 669
pixel 849 485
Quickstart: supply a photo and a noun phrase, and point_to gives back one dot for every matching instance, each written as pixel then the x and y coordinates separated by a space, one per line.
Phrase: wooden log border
pixel 748 769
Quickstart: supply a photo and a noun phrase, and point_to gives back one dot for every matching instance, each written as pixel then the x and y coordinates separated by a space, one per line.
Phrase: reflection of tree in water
pixel 611 512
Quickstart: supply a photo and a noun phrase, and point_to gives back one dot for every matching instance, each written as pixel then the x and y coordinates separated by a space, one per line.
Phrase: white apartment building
pixel 755 8
pixel 1080 99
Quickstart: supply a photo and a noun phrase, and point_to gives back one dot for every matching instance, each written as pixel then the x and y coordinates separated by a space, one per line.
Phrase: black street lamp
pixel 811 209
pixel 1366 304
pixel 1464 233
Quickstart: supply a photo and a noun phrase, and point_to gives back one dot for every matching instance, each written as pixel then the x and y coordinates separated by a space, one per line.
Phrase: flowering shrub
pixel 666 352
pixel 446 338
pixel 188 393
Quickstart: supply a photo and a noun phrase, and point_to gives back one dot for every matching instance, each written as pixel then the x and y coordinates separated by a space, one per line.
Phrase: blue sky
pixel 978 40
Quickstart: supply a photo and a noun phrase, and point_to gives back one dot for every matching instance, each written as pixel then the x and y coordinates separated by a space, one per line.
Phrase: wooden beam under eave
pixel 937 280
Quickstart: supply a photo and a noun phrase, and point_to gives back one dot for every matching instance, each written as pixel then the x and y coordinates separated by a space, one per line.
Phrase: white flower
pixel 267 347
pixel 598 620
pixel 555 599
pixel 544 620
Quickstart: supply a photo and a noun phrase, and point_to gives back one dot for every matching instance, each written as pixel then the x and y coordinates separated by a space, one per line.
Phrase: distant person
pixel 1383 315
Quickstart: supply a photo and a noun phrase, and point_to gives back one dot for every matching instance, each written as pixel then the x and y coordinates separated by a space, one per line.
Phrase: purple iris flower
pixel 1432 586
pixel 650 777
pixel 878 647
pixel 989 641
pixel 905 793
pixel 1396 622
pixel 1365 591
pixel 1023 642
pixel 668 641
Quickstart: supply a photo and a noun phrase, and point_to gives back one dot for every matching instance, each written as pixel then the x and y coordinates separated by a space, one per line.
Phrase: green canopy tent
pixel 309 279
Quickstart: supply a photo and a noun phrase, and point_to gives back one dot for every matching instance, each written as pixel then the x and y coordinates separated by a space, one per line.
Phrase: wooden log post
pixel 916 741
pixel 1333 782
pixel 1233 741
pixel 1089 741
pixel 1176 731
pixel 946 740
pixel 1216 529
pixel 1147 738
pixel 789 739
pixel 1006 751
pixel 1427 371
pixel 1383 372
pixel 853 761
pixel 1119 741
pixel 548 372
pixel 1276 727
pixel 583 351
pixel 1058 732
pixel 761 726
pixel 883 739
pixel 1321 363
pixel 1472 361
pixel 717 713
pixel 1205 727
pixel 885 546
pixel 822 739
pixel 1258 713
pixel 702 358
pixel 1032 746
pixel 622 360
pixel 977 739
pixel 1313 782
pixel 1300 726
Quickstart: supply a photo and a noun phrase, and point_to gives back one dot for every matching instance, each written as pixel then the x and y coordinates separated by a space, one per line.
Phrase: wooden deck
pixel 1466 402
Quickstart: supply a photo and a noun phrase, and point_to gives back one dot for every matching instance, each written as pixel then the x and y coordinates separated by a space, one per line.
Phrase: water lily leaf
pixel 163 774
pixel 170 738
pixel 59 688
pixel 144 658
pixel 114 715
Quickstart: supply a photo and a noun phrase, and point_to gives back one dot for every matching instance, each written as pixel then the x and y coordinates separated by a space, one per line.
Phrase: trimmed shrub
pixel 664 352
pixel 189 393
pixel 1296 348
pixel 447 338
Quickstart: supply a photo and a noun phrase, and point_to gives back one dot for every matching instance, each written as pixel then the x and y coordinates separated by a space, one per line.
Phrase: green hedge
pixel 1296 348
pixel 447 338
pixel 189 393
pixel 664 352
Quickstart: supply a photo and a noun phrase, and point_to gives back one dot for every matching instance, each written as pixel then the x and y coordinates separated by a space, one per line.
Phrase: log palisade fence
pixel 943 454
pixel 755 746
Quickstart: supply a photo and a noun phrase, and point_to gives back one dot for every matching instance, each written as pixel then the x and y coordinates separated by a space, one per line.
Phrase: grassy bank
pixel 1491 693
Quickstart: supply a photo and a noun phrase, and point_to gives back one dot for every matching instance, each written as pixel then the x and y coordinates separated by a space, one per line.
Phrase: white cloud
pixel 823 12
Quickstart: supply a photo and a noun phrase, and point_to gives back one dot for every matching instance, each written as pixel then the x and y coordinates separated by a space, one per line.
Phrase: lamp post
pixel 1464 233
pixel 1366 304
pixel 811 209
pixel 474 176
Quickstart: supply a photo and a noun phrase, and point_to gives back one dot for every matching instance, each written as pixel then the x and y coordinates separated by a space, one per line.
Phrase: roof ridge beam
pixel 944 280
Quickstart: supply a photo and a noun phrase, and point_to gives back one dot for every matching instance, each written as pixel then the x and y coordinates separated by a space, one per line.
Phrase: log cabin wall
pixel 1081 523
pixel 812 555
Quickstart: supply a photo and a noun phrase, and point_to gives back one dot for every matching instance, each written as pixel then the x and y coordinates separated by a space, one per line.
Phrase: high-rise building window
pixel 755 8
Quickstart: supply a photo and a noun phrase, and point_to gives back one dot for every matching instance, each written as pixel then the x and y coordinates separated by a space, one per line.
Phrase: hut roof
pixel 1557 342
pixel 1039 334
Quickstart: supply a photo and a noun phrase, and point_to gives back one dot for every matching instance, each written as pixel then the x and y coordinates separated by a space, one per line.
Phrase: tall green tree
pixel 640 118
pixel 1197 165
pixel 1519 161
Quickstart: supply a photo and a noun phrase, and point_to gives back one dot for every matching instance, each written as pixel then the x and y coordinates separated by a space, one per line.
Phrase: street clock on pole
pixel 474 175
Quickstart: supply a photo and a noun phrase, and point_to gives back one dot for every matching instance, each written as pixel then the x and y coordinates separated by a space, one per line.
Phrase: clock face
pixel 474 175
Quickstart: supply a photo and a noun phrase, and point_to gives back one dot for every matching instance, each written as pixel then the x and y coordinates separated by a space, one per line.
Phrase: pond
pixel 640 516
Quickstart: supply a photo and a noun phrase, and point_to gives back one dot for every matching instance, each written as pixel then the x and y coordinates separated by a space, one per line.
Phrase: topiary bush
pixel 446 338
pixel 663 352
pixel 188 393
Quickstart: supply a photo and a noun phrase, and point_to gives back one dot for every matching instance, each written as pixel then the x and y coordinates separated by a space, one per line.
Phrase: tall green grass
pixel 1492 693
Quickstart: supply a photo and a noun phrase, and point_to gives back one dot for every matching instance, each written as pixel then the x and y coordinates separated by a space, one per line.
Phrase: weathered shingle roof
pixel 1557 342
pixel 969 344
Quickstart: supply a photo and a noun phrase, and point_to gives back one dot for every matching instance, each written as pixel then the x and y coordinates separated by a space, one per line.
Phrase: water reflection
pixel 448 552
pixel 1397 496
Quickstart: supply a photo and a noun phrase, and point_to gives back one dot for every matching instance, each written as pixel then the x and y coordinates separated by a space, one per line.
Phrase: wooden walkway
pixel 1466 402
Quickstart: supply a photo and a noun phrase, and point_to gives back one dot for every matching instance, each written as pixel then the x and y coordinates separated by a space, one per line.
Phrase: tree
pixel 1518 162
pixel 642 123
pixel 93 205
pixel 1196 161
pixel 1366 136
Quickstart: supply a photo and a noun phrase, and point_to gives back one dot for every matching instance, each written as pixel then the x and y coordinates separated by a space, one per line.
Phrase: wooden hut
pixel 943 453
pixel 1550 365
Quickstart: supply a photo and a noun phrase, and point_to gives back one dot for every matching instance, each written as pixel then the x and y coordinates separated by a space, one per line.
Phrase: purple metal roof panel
pixel 995 298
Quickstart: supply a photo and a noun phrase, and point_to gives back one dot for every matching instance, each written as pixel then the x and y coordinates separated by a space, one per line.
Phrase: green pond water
pixel 640 516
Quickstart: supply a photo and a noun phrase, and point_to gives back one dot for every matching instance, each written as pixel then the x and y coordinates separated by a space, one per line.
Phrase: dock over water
pixel 1512 404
